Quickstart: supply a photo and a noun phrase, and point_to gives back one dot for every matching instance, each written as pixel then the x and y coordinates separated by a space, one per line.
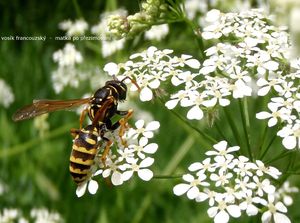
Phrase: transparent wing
pixel 39 107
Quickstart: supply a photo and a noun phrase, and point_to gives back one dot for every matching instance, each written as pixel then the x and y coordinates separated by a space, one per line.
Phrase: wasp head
pixel 120 86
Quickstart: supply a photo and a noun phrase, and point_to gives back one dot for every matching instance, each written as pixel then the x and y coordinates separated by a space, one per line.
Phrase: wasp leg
pixel 74 132
pixel 106 151
pixel 82 116
pixel 123 122
pixel 122 113
pixel 107 146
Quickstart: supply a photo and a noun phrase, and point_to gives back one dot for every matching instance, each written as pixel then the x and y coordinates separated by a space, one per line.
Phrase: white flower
pixel 6 95
pixel 181 96
pixel 216 94
pixel 223 211
pixel 284 193
pixel 141 129
pixel 191 188
pixel 248 203
pixel 266 85
pixel 141 169
pixel 144 147
pixel 193 6
pixel 91 184
pixel 275 114
pixel 111 68
pixel 291 135
pixel 223 163
pixel 286 89
pixel 222 178
pixel 264 186
pixel 263 62
pixel 207 194
pixel 68 56
pixel 244 184
pixel 113 168
pixel 157 32
pixel 222 150
pixel 76 28
pixel 110 47
pixel 186 60
pixel 240 89
pixel 261 169
pixel 43 215
pixel 202 167
pixel 195 101
pixel 243 167
pixel 275 211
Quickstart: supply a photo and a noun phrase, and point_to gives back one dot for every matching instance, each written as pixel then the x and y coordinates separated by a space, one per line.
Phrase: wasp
pixel 102 106
pixel 86 146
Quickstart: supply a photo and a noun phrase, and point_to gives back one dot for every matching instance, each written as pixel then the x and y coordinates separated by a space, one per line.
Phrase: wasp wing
pixel 39 107
pixel 101 113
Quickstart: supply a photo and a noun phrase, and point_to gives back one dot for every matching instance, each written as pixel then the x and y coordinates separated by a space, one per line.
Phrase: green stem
pixel 166 177
pixel 246 125
pixel 233 127
pixel 268 147
pixel 77 8
pixel 196 30
pixel 203 134
pixel 178 156
pixel 36 141
pixel 292 173
pixel 280 156
pixel 262 141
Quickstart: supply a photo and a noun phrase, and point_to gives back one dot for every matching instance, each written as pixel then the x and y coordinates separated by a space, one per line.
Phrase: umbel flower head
pixel 245 63
pixel 233 185
pixel 124 160
pixel 120 26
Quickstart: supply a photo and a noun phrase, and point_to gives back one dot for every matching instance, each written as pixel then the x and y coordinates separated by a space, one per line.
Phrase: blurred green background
pixel 35 169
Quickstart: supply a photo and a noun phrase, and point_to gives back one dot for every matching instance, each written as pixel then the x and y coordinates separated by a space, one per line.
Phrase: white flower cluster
pixel 157 32
pixel 75 28
pixel 256 57
pixel 285 108
pixel 6 95
pixel 124 160
pixel 109 45
pixel 66 73
pixel 233 185
pixel 259 53
pixel 39 215
pixel 152 66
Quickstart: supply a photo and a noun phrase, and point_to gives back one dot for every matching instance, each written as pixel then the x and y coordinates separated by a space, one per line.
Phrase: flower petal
pixel 145 174
pixel 180 189
pixel 152 126
pixel 195 113
pixel 151 148
pixel 93 186
pixel 146 94
pixel 81 189
pixel 116 178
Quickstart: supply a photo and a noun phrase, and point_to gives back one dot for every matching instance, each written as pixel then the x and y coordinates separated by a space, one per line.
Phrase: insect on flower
pixel 102 106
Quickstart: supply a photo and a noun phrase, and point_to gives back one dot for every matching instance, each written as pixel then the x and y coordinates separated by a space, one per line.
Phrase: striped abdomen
pixel 83 153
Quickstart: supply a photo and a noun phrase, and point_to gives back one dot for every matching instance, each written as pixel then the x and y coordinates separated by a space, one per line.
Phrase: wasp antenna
pixel 132 81
pixel 114 77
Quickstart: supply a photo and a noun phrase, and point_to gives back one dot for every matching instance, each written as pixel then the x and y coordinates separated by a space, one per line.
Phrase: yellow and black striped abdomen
pixel 83 153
